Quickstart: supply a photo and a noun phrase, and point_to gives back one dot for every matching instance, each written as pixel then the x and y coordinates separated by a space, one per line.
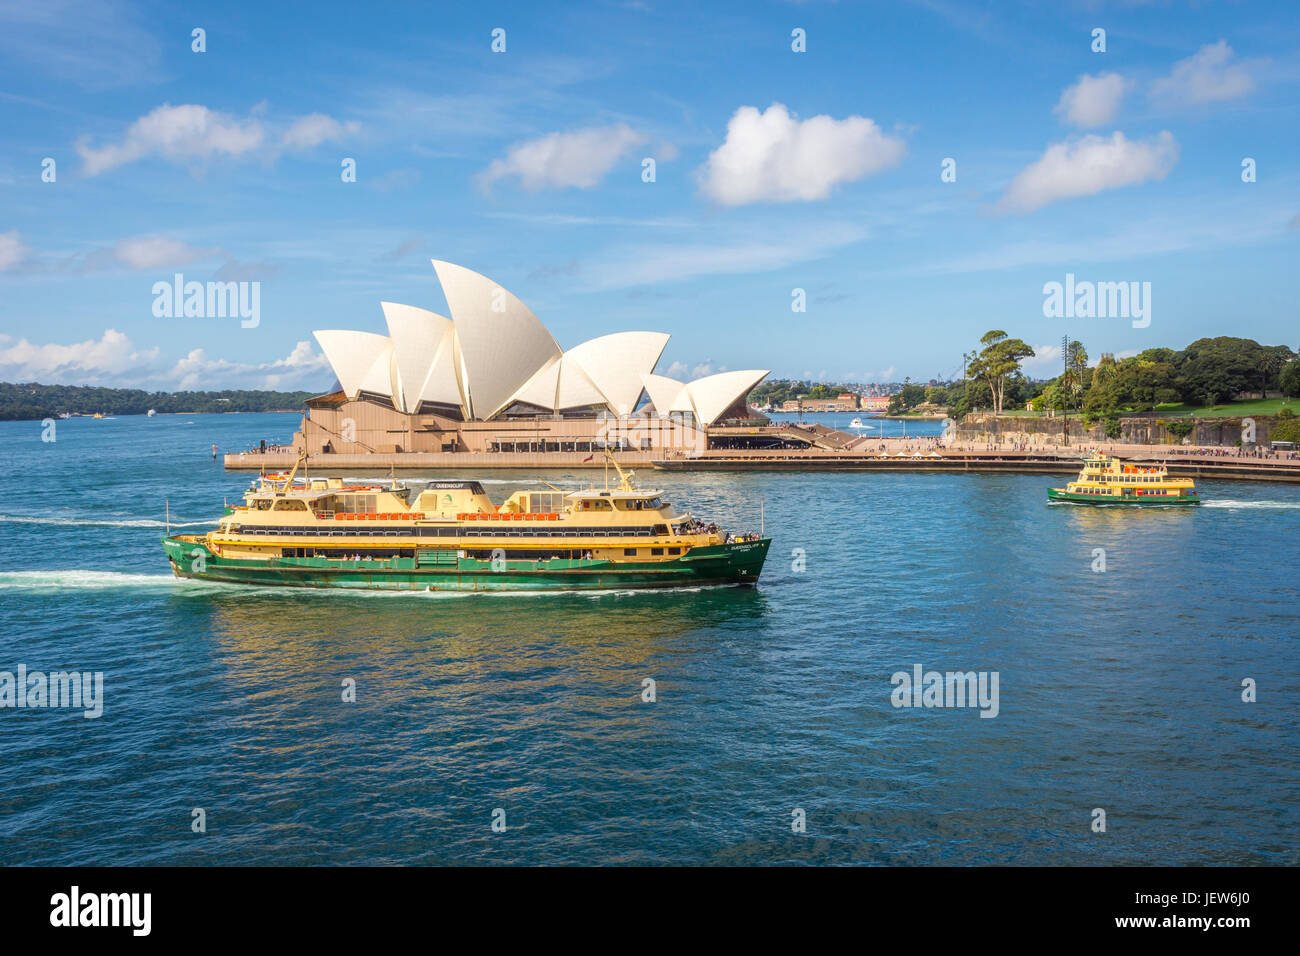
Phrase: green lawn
pixel 1266 406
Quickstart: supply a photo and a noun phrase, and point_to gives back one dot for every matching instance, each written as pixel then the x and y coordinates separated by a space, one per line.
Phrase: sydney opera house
pixel 490 378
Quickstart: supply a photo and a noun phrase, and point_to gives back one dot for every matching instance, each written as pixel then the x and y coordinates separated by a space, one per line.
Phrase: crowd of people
pixel 1259 451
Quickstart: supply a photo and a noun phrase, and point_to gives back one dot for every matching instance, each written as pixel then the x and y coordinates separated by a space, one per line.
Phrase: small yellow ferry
pixel 450 536
pixel 1109 481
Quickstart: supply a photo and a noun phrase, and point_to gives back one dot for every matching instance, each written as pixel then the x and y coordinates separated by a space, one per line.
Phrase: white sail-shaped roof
pixel 493 352
pixel 541 389
pixel 352 355
pixel 707 398
pixel 667 394
pixel 577 390
pixel 422 346
pixel 616 362
pixel 380 378
pixel 715 394
pixel 502 344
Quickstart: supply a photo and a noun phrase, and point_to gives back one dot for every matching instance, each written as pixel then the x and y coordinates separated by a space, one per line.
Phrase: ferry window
pixel 290 505
pixel 363 503
pixel 263 505
pixel 656 550
pixel 540 502
pixel 654 504
pixel 674 550
pixel 629 552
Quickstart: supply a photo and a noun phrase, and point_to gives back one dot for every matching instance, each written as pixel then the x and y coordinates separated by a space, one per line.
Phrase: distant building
pixel 840 404
pixel 876 403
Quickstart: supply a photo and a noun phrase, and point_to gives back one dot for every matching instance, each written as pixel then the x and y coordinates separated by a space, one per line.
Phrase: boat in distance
pixel 449 536
pixel 1109 481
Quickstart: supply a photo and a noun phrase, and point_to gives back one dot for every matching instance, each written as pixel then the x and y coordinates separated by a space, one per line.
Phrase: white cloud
pixel 1045 360
pixel 775 157
pixel 138 253
pixel 151 252
pixel 191 133
pixel 112 358
pixel 302 368
pixel 689 373
pixel 1088 166
pixel 1092 100
pixel 1208 76
pixel 12 250
pixel 317 128
pixel 114 361
pixel 579 159
pixel 672 262
pixel 178 133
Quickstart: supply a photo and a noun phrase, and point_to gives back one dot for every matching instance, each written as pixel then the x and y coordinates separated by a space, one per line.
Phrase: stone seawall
pixel 1137 430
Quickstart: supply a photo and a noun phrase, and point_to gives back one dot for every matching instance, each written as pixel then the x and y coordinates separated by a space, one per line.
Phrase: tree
pixel 997 362
pixel 1289 380
pixel 1288 429
pixel 1218 368
pixel 1076 363
pixel 1271 361
pixel 1050 397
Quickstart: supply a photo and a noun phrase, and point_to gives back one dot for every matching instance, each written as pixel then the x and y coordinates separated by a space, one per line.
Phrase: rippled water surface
pixel 1119 690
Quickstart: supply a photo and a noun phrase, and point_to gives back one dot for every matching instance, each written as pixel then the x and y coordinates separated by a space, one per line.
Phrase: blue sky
pixel 775 170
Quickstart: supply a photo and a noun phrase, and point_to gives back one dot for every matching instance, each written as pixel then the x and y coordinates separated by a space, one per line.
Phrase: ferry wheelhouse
pixel 1109 481
pixel 449 535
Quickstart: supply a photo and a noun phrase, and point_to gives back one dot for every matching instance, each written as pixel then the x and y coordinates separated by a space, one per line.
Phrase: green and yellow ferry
pixel 449 536
pixel 1109 481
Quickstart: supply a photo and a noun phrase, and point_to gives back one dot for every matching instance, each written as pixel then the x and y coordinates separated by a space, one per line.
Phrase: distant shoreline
pixel 91 415
pixel 32 401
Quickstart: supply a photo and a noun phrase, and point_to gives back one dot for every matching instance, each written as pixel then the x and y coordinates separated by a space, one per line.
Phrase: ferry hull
pixel 739 563
pixel 1151 501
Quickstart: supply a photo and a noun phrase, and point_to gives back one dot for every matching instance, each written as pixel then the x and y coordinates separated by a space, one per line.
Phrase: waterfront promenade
pixel 887 454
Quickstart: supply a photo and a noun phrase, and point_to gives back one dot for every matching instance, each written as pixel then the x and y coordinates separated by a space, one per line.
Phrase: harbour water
pixel 871 427
pixel 1119 689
